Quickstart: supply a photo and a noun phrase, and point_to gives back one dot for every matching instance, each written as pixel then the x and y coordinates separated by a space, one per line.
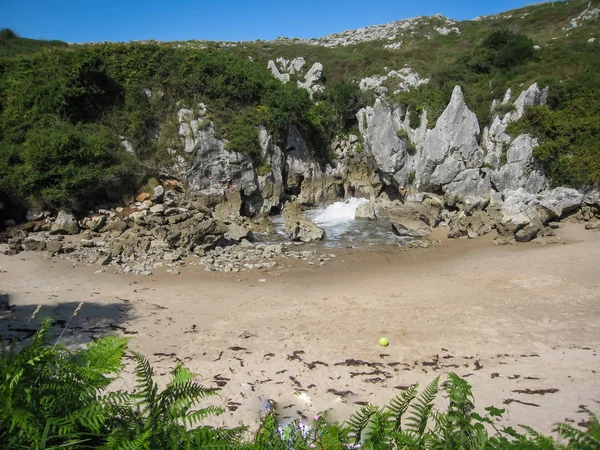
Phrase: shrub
pixel 66 166
pixel 508 49
pixel 244 138
pixel 569 147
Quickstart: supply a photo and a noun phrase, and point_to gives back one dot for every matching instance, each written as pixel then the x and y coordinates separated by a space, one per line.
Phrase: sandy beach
pixel 522 323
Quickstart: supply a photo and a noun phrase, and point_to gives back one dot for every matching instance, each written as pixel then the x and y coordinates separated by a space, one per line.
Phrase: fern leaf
pixel 147 389
pixel 359 421
pixel 421 408
pixel 399 405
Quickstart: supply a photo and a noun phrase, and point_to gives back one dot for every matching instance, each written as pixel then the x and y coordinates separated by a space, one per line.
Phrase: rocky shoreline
pixel 171 230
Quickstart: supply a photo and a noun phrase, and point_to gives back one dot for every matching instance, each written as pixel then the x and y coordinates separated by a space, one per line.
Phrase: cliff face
pixel 455 158
pixel 485 177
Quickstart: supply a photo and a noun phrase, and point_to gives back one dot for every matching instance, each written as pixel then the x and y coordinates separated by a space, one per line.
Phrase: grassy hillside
pixel 11 44
pixel 64 109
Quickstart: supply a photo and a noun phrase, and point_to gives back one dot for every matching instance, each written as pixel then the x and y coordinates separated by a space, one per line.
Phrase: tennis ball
pixel 384 342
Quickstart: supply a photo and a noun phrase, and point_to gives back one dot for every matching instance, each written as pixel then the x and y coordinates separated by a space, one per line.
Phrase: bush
pixel 244 137
pixel 570 144
pixel 69 166
pixel 507 49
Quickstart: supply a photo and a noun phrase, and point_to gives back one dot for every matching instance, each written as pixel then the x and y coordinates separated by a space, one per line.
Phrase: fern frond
pixel 399 405
pixel 359 421
pixel 105 355
pixel 583 440
pixel 147 389
pixel 194 417
pixel 420 410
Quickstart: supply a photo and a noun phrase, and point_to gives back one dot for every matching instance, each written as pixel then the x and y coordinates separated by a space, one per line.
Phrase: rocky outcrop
pixel 312 182
pixel 495 139
pixel 312 79
pixel 451 147
pixel 298 227
pixel 525 215
pixel 408 79
pixel 520 170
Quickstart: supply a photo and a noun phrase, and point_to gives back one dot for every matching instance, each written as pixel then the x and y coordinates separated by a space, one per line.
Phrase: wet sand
pixel 521 323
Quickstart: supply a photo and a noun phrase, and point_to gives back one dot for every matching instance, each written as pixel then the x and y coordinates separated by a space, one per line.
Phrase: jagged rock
pixel 379 125
pixel 65 223
pixel 298 227
pixel 158 194
pixel 560 201
pixel 236 232
pixel 449 145
pixel 312 77
pixel 304 173
pixel 427 212
pixel 365 211
pixel 528 212
pixel 283 77
pixel 471 225
pixel 409 227
pixel 520 171
pixel 95 223
pixel 36 215
pixel 495 139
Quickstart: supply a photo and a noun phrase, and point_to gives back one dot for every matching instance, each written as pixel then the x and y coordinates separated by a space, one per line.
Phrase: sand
pixel 521 323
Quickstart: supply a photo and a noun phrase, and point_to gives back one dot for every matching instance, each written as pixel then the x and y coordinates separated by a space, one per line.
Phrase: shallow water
pixel 340 227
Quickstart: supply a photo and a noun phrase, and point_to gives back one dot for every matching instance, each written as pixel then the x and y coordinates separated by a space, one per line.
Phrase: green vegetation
pixel 55 398
pixel 64 112
pixel 569 131
pixel 12 44
pixel 65 109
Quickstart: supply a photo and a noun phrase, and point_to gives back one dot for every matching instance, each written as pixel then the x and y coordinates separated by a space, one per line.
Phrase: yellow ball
pixel 384 342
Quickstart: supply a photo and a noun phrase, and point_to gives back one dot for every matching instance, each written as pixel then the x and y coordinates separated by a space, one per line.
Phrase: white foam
pixel 338 212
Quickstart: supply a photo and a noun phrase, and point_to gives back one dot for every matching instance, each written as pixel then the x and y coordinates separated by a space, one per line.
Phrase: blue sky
pixel 126 20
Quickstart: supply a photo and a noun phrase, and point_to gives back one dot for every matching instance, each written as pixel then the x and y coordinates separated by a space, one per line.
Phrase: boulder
pixel 116 225
pixel 53 246
pixel 142 197
pixel 65 223
pixel 95 223
pixel 159 194
pixel 410 227
pixel 157 209
pixel 472 225
pixel 298 227
pixel 34 246
pixel 236 232
pixel 365 211
pixel 428 211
